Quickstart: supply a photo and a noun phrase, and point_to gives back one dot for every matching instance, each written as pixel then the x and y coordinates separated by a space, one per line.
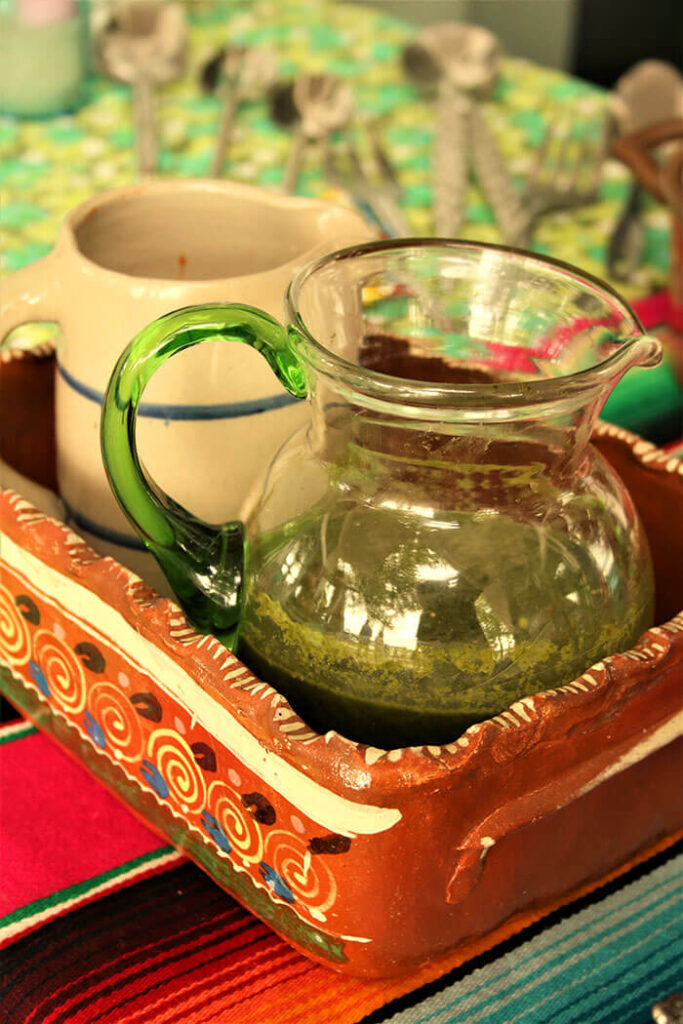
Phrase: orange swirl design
pixel 239 826
pixel 15 642
pixel 62 669
pixel 307 876
pixel 118 720
pixel 175 760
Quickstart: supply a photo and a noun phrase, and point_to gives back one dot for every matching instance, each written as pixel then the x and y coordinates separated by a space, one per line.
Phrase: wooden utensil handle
pixel 634 149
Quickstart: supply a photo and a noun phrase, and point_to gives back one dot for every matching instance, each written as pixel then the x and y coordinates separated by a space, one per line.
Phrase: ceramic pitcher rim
pixel 637 348
pixel 78 214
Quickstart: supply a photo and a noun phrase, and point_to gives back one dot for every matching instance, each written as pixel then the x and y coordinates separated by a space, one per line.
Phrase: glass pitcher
pixel 441 539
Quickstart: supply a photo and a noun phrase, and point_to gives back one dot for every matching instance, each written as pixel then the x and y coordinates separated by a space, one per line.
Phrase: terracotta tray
pixel 371 861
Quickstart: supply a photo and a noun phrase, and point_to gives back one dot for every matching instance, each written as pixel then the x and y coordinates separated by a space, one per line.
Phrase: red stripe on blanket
pixel 65 827
pixel 654 310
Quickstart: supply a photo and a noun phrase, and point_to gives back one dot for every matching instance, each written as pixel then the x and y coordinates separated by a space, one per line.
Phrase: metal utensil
pixel 450 159
pixel 626 242
pixel 492 175
pixel 381 158
pixel 663 179
pixel 565 175
pixel 238 73
pixel 650 92
pixel 143 44
pixel 463 61
pixel 376 193
pixel 316 105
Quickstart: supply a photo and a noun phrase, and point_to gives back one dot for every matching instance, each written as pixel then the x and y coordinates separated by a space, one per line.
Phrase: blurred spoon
pixel 377 194
pixel 376 197
pixel 143 44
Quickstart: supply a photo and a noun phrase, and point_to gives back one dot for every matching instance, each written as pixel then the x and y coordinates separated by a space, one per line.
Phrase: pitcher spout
pixel 642 350
pixel 646 351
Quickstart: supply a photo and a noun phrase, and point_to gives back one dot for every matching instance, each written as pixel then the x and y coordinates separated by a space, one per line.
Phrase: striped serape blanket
pixel 102 924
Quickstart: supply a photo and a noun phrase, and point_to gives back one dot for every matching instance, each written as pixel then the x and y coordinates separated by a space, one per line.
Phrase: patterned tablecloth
pixel 122 929
pixel 47 166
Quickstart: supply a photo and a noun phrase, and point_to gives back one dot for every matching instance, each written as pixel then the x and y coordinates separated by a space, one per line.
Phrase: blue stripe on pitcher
pixel 160 411
pixel 77 521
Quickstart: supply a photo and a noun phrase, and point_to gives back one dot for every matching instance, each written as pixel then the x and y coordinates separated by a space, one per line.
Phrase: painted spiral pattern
pixel 118 720
pixel 175 761
pixel 239 826
pixel 62 670
pixel 15 643
pixel 307 876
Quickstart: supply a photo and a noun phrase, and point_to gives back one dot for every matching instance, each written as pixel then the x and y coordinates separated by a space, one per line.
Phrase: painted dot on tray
pixel 184 808
pixel 123 679
pixel 234 777
pixel 117 754
pixel 297 824
pixel 59 631
pixel 179 726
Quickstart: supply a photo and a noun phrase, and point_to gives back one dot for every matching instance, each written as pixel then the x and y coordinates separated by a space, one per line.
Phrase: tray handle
pixel 27 374
pixel 547 799
pixel 29 295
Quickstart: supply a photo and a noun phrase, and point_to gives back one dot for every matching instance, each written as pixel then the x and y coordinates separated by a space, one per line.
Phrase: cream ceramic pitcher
pixel 123 258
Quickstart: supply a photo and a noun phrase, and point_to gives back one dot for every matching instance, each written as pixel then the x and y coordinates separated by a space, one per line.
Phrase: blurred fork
pixel 323 104
pixel 565 174
pixel 377 193
pixel 377 196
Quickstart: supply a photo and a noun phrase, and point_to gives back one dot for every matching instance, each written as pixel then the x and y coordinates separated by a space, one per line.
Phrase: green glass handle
pixel 203 563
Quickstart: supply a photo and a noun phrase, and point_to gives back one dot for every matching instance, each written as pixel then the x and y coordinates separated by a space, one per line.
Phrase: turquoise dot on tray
pixel 94 730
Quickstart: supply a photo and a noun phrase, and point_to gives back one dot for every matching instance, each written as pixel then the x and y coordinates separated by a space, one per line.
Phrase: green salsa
pixel 395 632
